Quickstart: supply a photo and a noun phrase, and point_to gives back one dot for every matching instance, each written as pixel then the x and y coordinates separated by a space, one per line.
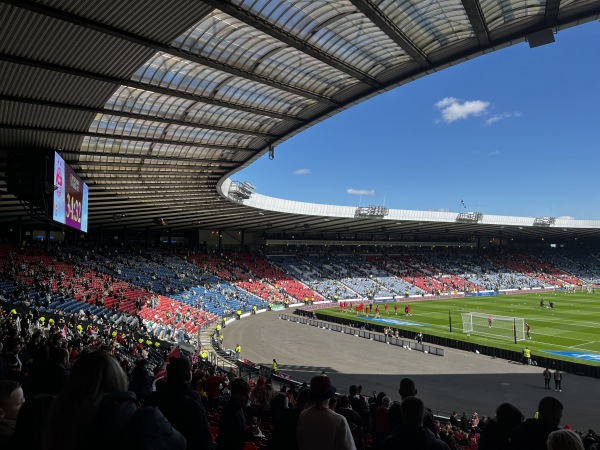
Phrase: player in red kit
pixel 377 311
pixel 386 309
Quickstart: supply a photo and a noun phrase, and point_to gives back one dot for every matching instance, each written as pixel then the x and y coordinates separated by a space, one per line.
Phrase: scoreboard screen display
pixel 70 205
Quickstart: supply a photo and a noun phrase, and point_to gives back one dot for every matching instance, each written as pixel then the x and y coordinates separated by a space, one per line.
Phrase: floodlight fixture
pixel 371 212
pixel 469 217
pixel 240 191
pixel 544 221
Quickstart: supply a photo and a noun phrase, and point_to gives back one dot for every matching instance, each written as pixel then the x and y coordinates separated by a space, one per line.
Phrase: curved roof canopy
pixel 154 103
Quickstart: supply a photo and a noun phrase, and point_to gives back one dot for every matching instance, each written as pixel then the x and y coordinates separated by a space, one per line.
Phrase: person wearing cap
pixel 319 428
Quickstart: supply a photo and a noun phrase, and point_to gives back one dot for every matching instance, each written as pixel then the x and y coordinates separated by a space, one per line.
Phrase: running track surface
pixel 459 381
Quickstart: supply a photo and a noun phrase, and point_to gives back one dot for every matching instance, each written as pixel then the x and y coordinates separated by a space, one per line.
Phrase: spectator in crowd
pixel 454 419
pixel 31 421
pixel 411 434
pixel 233 430
pixel 213 385
pixel 182 406
pixel 11 400
pixel 381 424
pixel 141 380
pixel 354 419
pixel 498 431
pixel 408 388
pixel 395 416
pixel 95 411
pixel 533 433
pixel 261 397
pixel 285 420
pixel 564 440
pixel 320 428
pixel 359 405
pixel 49 377
pixel 279 405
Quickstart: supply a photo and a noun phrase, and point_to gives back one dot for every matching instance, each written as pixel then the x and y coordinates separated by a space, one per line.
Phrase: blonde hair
pixel 564 440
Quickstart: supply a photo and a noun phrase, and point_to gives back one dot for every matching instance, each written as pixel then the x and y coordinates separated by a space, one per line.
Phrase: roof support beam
pixel 140 175
pixel 126 193
pixel 148 210
pixel 475 15
pixel 197 197
pixel 551 13
pixel 392 31
pixel 144 164
pixel 65 16
pixel 151 184
pixel 289 39
pixel 146 87
pixel 86 109
pixel 72 157
pixel 124 138
pixel 128 206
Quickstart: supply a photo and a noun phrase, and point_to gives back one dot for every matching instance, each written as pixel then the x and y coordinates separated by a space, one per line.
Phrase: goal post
pixel 502 327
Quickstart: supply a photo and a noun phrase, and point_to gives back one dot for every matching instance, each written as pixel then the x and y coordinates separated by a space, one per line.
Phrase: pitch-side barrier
pixel 377 337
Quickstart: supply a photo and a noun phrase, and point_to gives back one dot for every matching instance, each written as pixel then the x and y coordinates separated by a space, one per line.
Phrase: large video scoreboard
pixel 70 205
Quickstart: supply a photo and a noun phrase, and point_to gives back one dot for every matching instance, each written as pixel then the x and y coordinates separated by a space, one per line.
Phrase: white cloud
pixel 566 217
pixel 360 191
pixel 453 109
pixel 494 153
pixel 446 101
pixel 498 117
pixel 302 172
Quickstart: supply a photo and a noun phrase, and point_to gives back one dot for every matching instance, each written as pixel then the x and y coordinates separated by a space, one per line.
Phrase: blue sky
pixel 515 132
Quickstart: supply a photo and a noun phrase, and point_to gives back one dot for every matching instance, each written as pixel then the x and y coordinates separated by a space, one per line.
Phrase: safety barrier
pixel 373 336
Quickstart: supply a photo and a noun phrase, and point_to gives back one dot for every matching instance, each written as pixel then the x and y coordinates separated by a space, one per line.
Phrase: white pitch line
pixel 583 345
pixel 571 321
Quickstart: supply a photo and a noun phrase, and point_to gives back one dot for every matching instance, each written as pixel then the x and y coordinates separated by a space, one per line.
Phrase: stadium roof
pixel 157 103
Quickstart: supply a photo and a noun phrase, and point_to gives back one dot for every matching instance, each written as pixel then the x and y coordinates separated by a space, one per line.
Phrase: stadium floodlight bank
pixel 373 212
pixel 502 327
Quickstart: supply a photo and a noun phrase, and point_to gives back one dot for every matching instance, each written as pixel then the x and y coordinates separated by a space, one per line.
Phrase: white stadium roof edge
pixel 157 103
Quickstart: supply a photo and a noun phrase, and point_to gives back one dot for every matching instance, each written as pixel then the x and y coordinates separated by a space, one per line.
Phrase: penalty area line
pixel 583 345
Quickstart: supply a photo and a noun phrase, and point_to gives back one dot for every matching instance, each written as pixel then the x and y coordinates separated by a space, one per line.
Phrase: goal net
pixel 503 327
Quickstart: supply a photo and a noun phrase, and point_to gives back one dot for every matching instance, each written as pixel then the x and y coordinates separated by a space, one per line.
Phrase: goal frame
pixel 517 325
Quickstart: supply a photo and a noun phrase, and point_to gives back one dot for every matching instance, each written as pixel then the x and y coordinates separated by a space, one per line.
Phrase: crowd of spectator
pixel 94 391
pixel 61 388
pixel 96 377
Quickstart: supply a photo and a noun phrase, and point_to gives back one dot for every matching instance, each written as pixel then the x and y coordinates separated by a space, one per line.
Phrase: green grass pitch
pixel 573 326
